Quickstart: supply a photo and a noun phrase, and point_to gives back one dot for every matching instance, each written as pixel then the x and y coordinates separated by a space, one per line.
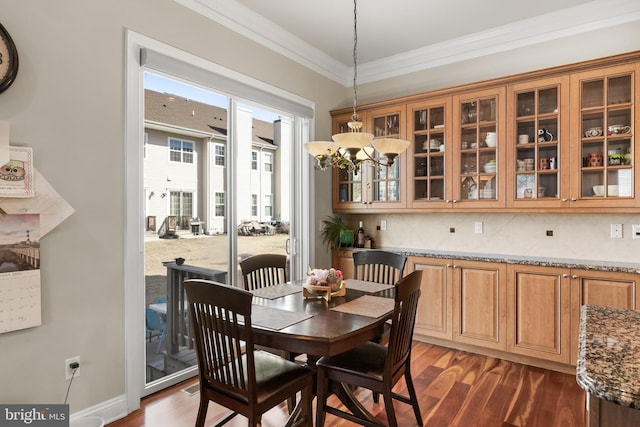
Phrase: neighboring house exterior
pixel 185 155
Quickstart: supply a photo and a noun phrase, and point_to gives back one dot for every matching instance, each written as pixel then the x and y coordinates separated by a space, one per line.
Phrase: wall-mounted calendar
pixel 20 305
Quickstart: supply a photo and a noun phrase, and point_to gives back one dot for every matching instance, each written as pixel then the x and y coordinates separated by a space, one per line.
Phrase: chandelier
pixel 349 149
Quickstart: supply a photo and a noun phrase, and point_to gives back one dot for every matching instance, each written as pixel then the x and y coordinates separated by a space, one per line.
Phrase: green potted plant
pixel 336 233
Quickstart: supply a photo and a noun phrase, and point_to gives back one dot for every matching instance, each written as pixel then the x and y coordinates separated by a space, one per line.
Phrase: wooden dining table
pixel 319 329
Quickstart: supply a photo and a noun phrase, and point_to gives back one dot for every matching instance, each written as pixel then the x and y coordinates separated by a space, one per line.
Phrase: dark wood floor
pixel 455 388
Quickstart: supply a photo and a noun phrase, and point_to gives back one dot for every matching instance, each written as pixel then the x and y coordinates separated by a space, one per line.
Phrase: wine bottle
pixel 360 236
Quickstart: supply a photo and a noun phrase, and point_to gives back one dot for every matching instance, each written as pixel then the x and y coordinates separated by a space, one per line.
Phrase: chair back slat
pixel 379 266
pixel 264 270
pixel 221 316
pixel 403 320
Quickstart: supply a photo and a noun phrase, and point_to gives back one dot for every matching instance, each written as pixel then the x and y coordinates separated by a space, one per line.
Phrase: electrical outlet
pixel 636 231
pixel 383 225
pixel 452 229
pixel 616 231
pixel 549 233
pixel 478 227
pixel 68 370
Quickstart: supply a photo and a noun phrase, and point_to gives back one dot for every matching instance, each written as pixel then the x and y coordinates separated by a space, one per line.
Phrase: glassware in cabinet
pixel 479 128
pixel 428 168
pixel 606 140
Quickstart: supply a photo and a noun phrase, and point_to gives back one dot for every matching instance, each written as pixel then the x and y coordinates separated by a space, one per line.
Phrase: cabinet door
pixel 386 185
pixel 479 304
pixel 603 150
pixel 608 289
pixel 348 186
pixel 538 143
pixel 429 163
pixel 538 307
pixel 343 261
pixel 478 167
pixel 434 316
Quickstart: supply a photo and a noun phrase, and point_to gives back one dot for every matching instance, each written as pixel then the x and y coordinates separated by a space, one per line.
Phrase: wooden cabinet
pixel 578 155
pixel 537 143
pixel 343 261
pixel 478 147
pixel 604 148
pixel 610 289
pixel 429 164
pixel 434 317
pixel 373 186
pixel 538 312
pixel 479 297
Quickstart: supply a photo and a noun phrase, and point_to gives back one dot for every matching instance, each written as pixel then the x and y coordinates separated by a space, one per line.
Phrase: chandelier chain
pixel 355 58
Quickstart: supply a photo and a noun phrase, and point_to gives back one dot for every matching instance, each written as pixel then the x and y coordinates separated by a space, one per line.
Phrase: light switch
pixel 478 227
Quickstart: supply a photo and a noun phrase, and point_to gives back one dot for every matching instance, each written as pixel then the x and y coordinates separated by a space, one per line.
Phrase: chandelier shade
pixel 351 148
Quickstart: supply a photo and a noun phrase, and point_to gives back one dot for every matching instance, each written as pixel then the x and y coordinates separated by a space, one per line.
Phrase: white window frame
pixel 254 160
pixel 183 143
pixel 254 205
pixel 218 156
pixel 268 204
pixel 144 53
pixel 218 205
pixel 268 162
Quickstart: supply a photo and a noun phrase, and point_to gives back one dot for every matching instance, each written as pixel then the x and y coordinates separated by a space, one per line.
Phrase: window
pixel 254 205
pixel 144 145
pixel 254 160
pixel 268 162
pixel 220 204
pixel 219 155
pixel 268 208
pixel 180 150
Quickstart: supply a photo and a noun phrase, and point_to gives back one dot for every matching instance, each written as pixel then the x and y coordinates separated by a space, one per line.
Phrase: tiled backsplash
pixel 574 236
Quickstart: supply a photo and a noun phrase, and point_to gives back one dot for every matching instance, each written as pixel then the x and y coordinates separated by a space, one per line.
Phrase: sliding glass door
pixel 217 188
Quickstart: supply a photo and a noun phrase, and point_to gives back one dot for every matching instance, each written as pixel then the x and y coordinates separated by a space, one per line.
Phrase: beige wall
pixel 68 104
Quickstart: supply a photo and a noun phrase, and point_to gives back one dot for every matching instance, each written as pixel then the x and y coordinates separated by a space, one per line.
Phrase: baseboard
pixel 109 411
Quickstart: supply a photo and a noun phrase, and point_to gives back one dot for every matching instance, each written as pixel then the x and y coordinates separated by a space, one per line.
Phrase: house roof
pixel 186 113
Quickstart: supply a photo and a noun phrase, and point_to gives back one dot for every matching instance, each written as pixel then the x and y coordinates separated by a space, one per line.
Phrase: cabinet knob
pixel 455 201
pixel 573 276
pixel 565 199
pixel 565 275
pixel 447 201
pixel 455 265
pixel 573 199
pixel 448 265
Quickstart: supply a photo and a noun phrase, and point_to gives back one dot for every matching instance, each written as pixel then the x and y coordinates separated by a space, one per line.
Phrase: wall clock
pixel 8 60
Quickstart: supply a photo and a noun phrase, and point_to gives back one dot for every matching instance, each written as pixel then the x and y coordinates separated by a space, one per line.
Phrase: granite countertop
pixel 609 354
pixel 620 267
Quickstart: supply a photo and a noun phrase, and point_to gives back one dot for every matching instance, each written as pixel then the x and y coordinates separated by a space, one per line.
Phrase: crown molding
pixel 595 15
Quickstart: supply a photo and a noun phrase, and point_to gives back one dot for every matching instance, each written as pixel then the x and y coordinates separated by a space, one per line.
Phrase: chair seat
pixel 272 372
pixel 366 360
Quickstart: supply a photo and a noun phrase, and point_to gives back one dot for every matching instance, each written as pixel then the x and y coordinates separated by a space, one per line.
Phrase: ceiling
pixel 403 36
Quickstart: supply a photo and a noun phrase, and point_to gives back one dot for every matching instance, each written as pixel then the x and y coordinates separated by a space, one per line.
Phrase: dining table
pixel 283 318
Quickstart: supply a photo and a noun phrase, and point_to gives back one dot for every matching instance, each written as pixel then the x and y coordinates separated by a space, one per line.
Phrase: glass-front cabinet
pixel 538 143
pixel 373 185
pixel 478 164
pixel 430 152
pixel 604 147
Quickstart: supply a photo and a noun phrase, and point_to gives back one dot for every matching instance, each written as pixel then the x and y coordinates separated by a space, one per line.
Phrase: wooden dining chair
pixel 259 271
pixel 231 372
pixel 374 366
pixel 379 266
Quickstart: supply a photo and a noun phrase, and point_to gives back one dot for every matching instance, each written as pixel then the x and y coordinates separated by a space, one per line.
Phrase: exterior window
pixel 254 205
pixel 268 162
pixel 219 204
pixel 219 155
pixel 254 160
pixel 180 151
pixel 268 208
